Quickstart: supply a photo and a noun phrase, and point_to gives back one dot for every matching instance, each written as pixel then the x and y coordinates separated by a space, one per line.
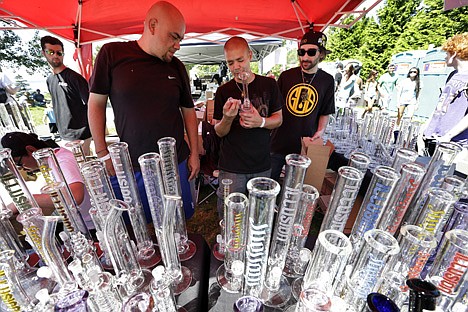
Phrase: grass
pixel 37 115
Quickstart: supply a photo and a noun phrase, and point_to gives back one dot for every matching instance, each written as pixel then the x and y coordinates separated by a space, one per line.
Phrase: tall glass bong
pixel 170 172
pixel 147 254
pixel 163 211
pixel 277 290
pixel 262 198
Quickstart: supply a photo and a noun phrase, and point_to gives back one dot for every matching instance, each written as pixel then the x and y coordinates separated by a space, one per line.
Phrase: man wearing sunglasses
pixel 309 96
pixel 69 92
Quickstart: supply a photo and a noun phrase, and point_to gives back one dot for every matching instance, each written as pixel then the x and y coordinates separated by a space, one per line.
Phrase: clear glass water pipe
pixel 277 285
pixel 163 211
pixel 229 275
pixel 262 198
pixel 244 78
pixel 308 202
pixel 76 148
pixel 147 255
pixel 171 178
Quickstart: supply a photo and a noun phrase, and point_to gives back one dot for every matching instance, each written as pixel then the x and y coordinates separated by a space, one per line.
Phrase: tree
pixel 25 89
pixel 14 53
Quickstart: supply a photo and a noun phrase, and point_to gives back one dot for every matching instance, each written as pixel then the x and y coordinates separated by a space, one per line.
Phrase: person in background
pixel 386 85
pixel 347 87
pixel 22 146
pixel 338 75
pixel 149 90
pixel 7 88
pixel 408 94
pixel 69 92
pixel 38 98
pixel 245 133
pixel 370 91
pixel 449 121
pixel 309 96
pixel 49 118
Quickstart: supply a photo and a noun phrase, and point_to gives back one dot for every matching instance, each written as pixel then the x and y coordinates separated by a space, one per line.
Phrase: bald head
pixel 163 30
pixel 238 56
pixel 236 43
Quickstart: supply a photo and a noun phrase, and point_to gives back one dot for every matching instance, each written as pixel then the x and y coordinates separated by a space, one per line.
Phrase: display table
pixel 221 301
pixel 195 298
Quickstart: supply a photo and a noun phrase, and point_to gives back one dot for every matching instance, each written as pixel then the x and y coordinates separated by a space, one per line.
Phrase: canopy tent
pixel 87 21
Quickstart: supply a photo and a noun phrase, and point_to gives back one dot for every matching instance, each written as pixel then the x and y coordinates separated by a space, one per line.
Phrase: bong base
pixel 296 287
pixel 217 253
pixel 279 297
pixel 181 285
pixel 189 251
pixel 149 257
pixel 226 283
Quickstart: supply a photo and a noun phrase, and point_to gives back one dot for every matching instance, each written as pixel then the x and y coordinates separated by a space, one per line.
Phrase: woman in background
pixel 370 91
pixel 408 94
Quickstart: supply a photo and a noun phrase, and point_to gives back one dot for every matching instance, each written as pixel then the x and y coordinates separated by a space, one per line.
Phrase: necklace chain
pixel 242 91
pixel 311 79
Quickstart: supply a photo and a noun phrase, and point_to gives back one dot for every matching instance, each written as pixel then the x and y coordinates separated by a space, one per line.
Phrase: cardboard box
pixel 324 203
pixel 319 155
pixel 209 110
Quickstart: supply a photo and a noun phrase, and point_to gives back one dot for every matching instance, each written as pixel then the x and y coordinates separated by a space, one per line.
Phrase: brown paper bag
pixel 319 155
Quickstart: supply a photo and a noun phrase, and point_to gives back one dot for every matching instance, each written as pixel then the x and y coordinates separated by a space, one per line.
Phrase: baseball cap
pixel 315 37
pixel 17 142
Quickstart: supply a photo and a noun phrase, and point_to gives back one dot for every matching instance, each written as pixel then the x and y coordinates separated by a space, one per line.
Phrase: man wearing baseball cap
pixel 309 97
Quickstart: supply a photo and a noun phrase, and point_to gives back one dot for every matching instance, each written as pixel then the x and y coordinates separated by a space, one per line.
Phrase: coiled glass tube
pixel 262 197
pixel 147 256
pixel 170 173
pixel 14 183
pixel 229 275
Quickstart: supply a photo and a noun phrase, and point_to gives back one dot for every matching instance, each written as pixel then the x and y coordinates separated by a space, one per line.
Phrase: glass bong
pixel 163 211
pixel 147 254
pixel 170 171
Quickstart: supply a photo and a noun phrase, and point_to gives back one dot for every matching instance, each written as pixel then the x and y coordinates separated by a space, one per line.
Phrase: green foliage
pixel 401 25
pixel 14 52
pixel 25 89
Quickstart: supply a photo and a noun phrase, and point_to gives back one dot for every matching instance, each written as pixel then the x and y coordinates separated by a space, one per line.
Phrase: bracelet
pixel 105 157
pixel 103 150
pixel 263 122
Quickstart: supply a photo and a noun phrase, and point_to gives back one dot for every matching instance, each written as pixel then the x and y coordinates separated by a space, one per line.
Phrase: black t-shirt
pixel 247 150
pixel 69 92
pixel 146 94
pixel 304 104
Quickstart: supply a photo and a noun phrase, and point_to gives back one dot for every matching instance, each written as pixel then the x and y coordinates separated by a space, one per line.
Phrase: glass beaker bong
pixel 277 290
pixel 76 148
pixel 229 275
pixel 147 255
pixel 170 172
pixel 163 211
pixel 262 198
pixel 244 78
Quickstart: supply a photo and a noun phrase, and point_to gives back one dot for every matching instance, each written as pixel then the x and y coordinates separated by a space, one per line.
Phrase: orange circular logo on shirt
pixel 302 99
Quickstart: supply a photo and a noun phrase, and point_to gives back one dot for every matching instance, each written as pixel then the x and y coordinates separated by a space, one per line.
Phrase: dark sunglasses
pixel 18 163
pixel 310 52
pixel 413 72
pixel 52 52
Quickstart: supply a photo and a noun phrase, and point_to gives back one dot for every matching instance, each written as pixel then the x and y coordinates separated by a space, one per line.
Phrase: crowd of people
pixel 149 91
